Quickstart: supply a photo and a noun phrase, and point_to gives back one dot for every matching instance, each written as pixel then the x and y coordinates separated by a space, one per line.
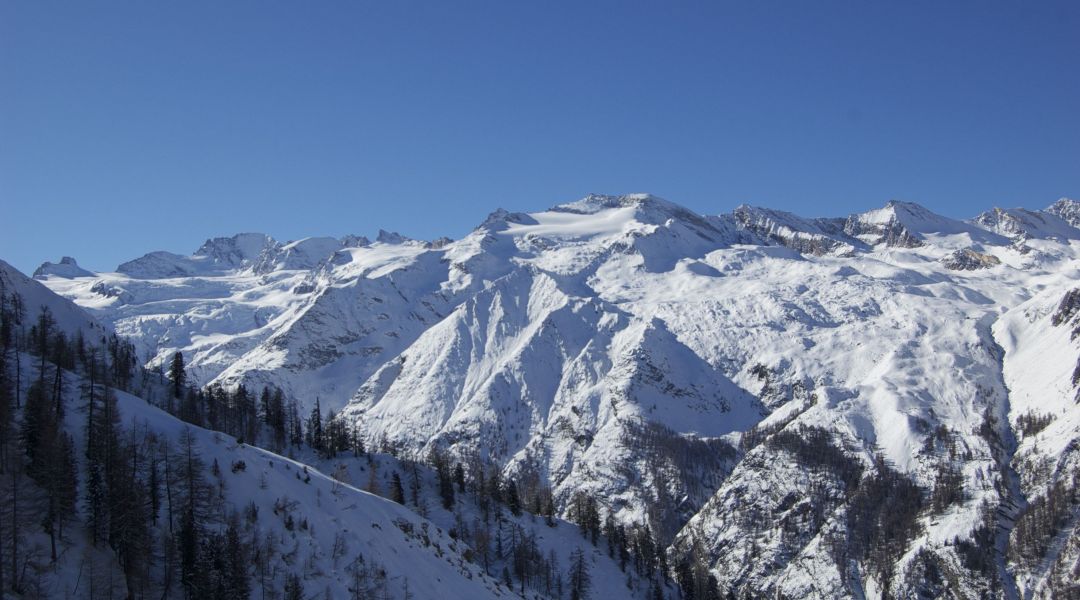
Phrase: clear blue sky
pixel 134 126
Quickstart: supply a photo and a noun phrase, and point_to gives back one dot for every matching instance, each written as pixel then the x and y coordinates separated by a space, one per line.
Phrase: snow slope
pixel 313 525
pixel 1042 369
pixel 35 296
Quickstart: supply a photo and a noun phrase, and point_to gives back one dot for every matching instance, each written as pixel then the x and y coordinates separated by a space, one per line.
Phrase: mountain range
pixel 877 405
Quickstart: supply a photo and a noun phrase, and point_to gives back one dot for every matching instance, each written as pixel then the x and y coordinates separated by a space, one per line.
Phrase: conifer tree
pixel 294 587
pixel 513 501
pixel 580 580
pixel 315 428
pixel 397 492
pixel 177 374
pixel 276 418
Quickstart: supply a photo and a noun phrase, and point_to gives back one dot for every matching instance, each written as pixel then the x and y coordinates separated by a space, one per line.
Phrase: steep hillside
pixel 1041 339
pixel 27 298
pixel 107 495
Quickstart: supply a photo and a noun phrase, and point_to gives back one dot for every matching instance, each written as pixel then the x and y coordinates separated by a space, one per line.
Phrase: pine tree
pixel 580 580
pixel 442 471
pixel 41 335
pixel 459 477
pixel 61 487
pixel 513 501
pixel 129 534
pixel 193 503
pixel 294 587
pixel 177 374
pixel 264 406
pixel 277 418
pixel 414 489
pixel 296 428
pixel 235 563
pixel 356 440
pixel 373 479
pixel 95 502
pixel 315 428
pixel 36 428
pixel 336 437
pixel 397 492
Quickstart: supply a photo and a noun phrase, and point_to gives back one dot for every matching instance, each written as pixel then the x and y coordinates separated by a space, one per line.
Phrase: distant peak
pixel 902 210
pixel 1022 224
pixel 235 250
pixel 66 268
pixel 355 241
pixel 391 237
pixel 239 238
pixel 594 203
pixel 1066 209
pixel 906 224
pixel 910 208
pixel 500 218
pixel 747 210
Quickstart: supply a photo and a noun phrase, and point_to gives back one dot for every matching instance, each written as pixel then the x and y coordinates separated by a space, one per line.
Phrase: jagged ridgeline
pixel 616 397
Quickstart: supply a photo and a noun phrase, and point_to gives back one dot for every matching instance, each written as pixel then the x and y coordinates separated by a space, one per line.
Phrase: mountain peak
pixel 907 210
pixel 500 217
pixel 905 225
pixel 646 208
pixel 594 203
pixel 1021 223
pixel 1066 209
pixel 391 237
pixel 355 241
pixel 66 268
pixel 236 250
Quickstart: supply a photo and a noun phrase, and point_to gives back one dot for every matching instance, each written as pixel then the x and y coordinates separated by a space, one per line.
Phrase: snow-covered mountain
pixel 67 267
pixel 284 526
pixel 1020 223
pixel 821 407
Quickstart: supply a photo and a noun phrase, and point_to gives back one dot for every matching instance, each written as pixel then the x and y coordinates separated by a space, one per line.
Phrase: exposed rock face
pixel 1066 209
pixel 1022 224
pixel 967 259
pixel 816 237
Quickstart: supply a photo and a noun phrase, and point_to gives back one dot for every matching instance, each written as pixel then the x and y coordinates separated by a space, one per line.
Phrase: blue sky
pixel 132 126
